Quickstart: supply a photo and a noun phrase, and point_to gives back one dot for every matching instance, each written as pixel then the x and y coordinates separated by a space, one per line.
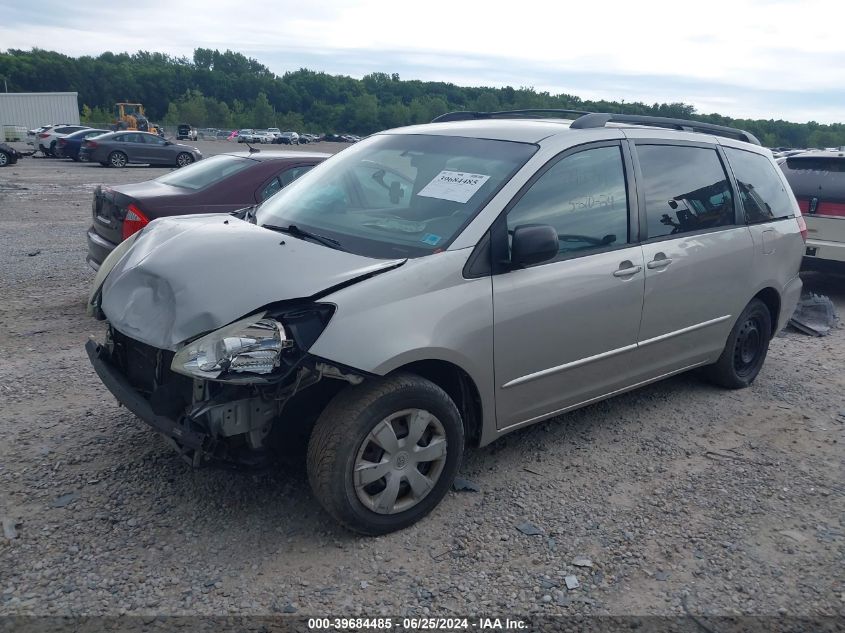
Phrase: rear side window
pixel 686 189
pixel 763 195
pixel 290 175
pixel 583 197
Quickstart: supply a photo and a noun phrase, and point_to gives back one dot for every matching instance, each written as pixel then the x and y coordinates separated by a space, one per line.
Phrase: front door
pixel 565 331
pixel 698 256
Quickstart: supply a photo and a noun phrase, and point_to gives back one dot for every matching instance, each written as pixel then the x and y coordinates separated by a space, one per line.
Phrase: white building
pixel 32 109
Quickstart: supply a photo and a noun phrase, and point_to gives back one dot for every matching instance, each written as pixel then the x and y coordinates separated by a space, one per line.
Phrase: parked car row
pixel 443 285
pixel 111 149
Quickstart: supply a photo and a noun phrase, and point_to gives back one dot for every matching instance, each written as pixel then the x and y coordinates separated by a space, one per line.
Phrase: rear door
pixel 698 254
pixel 132 144
pixel 565 331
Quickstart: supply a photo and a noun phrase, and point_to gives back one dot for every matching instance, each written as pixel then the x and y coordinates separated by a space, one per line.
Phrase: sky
pixel 741 58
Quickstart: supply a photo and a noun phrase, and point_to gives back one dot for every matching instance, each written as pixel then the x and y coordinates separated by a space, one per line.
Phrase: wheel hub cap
pixel 400 461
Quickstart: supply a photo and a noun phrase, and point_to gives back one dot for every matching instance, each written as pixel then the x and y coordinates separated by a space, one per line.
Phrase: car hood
pixel 188 275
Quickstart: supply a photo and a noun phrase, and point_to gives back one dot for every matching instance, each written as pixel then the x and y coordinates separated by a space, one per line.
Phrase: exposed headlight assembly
pixel 253 345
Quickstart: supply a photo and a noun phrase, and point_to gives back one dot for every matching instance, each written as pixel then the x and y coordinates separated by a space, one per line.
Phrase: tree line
pixel 229 90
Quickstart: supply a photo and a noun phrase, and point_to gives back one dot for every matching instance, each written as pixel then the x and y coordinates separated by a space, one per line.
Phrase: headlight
pixel 252 345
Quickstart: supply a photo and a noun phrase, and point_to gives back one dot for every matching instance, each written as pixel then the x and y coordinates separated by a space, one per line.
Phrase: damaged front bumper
pixel 209 422
pixel 189 440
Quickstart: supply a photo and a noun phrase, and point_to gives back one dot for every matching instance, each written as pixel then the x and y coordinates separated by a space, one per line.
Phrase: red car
pixel 219 184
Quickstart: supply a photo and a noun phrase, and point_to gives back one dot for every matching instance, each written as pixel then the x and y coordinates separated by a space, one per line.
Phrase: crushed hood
pixel 188 275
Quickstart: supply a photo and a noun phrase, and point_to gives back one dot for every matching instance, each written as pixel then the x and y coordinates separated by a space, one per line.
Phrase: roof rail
pixel 469 115
pixel 600 119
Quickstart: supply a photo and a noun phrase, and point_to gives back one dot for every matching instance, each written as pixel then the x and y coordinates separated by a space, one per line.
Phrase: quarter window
pixel 686 189
pixel 272 187
pixel 763 195
pixel 292 174
pixel 583 197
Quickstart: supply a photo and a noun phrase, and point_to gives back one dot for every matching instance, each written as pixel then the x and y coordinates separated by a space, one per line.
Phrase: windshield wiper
pixel 294 230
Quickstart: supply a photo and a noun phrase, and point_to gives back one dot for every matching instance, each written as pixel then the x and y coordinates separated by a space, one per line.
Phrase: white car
pixel 247 135
pixel 46 140
pixel 263 136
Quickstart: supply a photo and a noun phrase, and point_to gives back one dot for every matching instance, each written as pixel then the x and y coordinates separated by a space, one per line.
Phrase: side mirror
pixel 168 142
pixel 533 244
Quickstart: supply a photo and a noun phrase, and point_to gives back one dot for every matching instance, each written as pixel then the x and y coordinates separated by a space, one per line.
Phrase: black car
pixel 8 155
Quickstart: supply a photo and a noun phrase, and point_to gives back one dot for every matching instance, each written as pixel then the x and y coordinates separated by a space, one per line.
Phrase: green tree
pixel 263 114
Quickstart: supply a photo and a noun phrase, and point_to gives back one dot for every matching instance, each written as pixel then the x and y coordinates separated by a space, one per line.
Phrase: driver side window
pixel 583 197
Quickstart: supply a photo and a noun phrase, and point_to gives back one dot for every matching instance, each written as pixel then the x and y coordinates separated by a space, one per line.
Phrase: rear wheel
pixel 183 159
pixel 118 159
pixel 745 350
pixel 53 148
pixel 4 159
pixel 384 453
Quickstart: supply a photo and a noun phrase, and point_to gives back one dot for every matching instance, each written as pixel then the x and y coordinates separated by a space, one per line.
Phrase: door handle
pixel 626 271
pixel 660 261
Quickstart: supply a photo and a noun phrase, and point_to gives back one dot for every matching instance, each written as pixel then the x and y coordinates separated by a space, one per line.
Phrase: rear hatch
pixel 818 182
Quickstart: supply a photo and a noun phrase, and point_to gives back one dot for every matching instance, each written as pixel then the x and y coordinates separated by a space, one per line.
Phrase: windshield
pixel 397 195
pixel 206 172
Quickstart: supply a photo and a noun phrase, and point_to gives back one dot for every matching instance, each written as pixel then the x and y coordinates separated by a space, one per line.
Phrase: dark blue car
pixel 68 146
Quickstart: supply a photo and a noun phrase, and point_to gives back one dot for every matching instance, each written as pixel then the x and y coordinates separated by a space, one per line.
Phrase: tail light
pixel 134 221
pixel 802 226
pixel 90 144
pixel 62 142
pixel 44 135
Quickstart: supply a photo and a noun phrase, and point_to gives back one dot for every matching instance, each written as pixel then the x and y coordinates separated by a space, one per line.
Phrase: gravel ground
pixel 681 495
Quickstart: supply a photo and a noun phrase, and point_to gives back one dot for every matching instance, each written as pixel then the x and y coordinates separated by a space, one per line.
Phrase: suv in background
pixel 46 140
pixel 287 138
pixel 818 181
pixel 445 284
pixel 185 132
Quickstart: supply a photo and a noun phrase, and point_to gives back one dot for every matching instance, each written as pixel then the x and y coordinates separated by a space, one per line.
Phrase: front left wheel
pixel 383 454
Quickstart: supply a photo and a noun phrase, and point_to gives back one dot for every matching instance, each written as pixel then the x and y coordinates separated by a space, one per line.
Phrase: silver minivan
pixel 444 284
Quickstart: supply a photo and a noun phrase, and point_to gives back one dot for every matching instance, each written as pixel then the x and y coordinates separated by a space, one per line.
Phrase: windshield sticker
pixel 431 239
pixel 456 186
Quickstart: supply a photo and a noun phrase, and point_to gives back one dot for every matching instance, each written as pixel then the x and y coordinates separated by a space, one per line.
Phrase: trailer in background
pixel 33 109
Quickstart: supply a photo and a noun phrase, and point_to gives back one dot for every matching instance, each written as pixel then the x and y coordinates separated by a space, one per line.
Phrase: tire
pixel 53 149
pixel 118 159
pixel 745 350
pixel 183 159
pixel 343 438
pixel 5 159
